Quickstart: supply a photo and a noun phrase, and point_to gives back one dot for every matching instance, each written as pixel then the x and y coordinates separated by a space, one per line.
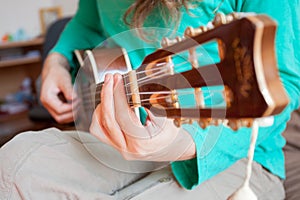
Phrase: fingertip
pixel 118 83
pixel 107 77
pixel 117 77
pixel 66 94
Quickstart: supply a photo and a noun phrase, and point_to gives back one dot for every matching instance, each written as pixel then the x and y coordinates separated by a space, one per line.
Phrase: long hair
pixel 138 12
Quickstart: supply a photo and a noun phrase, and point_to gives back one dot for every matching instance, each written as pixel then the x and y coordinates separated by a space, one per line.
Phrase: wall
pixel 16 14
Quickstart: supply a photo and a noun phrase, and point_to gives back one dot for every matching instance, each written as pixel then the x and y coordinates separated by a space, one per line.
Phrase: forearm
pixel 53 61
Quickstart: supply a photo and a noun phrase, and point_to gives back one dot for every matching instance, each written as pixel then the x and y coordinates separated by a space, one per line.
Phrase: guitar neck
pixel 246 71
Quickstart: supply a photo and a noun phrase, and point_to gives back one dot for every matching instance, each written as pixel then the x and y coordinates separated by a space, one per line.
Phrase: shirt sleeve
pixel 220 147
pixel 82 32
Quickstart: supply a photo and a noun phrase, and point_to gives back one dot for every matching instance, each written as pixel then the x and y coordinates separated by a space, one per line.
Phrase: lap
pixel 292 152
pixel 69 165
pixel 164 186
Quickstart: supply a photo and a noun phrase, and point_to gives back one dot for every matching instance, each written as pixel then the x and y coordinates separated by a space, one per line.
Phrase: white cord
pixel 245 192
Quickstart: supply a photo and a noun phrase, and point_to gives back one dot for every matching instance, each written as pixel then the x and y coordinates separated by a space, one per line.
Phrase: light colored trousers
pixel 52 164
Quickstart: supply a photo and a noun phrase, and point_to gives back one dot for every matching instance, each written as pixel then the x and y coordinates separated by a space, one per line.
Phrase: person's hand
pixel 56 82
pixel 115 124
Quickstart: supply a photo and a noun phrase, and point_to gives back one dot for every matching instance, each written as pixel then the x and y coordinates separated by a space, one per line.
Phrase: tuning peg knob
pixel 179 121
pixel 168 42
pixel 190 31
pixel 216 122
pixel 203 123
pixel 228 95
pixel 232 16
pixel 203 28
pixel 247 122
pixel 234 124
pixel 219 19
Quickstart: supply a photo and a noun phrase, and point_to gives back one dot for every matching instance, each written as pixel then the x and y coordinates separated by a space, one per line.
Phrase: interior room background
pixel 24 14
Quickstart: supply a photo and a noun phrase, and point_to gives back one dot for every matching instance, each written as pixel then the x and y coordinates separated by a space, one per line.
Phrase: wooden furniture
pixel 10 125
pixel 17 61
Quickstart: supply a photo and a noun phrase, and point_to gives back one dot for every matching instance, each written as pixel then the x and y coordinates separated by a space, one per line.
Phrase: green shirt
pixel 217 147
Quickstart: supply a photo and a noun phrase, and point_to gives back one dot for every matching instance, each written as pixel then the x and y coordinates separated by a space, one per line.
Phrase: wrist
pixel 55 61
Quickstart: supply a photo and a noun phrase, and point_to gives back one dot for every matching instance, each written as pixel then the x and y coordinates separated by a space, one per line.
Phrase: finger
pixel 57 106
pixel 66 87
pixel 63 118
pixel 107 113
pixel 61 112
pixel 96 129
pixel 126 118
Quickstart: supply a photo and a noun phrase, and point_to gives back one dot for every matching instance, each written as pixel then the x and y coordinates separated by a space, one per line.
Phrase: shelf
pixel 11 125
pixel 20 61
pixel 27 43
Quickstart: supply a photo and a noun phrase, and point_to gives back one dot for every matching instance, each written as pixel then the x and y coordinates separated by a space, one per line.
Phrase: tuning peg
pixel 232 16
pixel 247 122
pixel 234 124
pixel 168 42
pixel 203 28
pixel 190 31
pixel 219 19
pixel 228 95
pixel 179 121
pixel 216 122
pixel 203 123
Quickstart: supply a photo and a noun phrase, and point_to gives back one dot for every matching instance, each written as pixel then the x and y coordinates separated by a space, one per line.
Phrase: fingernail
pixel 117 77
pixel 107 77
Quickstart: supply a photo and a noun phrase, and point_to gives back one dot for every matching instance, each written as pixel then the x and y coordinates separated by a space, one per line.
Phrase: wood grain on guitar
pixel 245 75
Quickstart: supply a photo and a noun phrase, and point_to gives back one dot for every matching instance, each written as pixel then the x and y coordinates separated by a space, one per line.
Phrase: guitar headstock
pixel 244 74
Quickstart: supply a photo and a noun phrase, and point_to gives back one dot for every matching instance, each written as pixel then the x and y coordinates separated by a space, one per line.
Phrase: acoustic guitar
pixel 244 76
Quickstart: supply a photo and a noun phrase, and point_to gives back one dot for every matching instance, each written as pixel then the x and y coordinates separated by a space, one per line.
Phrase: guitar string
pixel 156 98
pixel 145 71
pixel 138 80
pixel 141 80
pixel 209 93
pixel 90 105
pixel 182 93
pixel 159 67
pixel 159 73
pixel 127 94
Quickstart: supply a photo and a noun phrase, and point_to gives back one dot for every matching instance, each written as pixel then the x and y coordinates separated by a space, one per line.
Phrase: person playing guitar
pixel 168 116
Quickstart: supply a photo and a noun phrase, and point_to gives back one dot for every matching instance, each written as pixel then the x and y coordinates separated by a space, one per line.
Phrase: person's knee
pixel 22 139
pixel 25 142
pixel 15 144
pixel 12 155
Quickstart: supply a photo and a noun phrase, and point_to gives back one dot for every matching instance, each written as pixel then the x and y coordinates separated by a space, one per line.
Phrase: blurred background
pixel 24 43
pixel 24 14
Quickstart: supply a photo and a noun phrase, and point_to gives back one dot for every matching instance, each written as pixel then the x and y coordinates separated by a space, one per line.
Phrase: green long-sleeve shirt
pixel 217 147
